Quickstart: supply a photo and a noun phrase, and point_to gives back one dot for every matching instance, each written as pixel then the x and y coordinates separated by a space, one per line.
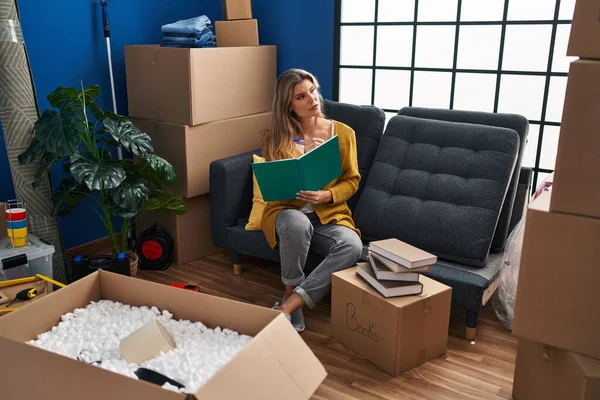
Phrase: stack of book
pixel 394 267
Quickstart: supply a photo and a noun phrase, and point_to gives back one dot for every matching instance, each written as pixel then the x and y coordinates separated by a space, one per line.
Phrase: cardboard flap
pixel 278 359
pixel 67 379
pixel 48 312
pixel 214 312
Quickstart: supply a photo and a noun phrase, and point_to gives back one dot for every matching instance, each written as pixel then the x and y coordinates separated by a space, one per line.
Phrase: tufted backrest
pixel 516 122
pixel 367 123
pixel 439 186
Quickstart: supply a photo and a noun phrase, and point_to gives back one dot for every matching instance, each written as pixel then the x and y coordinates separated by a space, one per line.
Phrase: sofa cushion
pixel 368 123
pixel 468 283
pixel 512 121
pixel 439 186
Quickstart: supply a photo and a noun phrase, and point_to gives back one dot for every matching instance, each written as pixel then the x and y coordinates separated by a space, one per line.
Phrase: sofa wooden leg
pixel 471 328
pixel 237 263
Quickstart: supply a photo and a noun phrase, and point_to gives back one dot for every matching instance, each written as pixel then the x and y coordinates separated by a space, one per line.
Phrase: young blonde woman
pixel 318 220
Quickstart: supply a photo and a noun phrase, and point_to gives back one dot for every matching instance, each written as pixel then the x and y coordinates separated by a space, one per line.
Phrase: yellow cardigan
pixel 342 189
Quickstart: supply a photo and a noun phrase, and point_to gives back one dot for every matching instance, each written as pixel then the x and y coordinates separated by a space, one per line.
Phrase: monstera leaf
pixel 59 133
pixel 129 136
pixel 161 167
pixel 131 195
pixel 68 195
pixel 165 202
pixel 34 151
pixel 43 169
pixel 63 97
pixel 106 174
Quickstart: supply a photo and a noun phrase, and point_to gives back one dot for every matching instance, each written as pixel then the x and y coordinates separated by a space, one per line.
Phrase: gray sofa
pixel 447 181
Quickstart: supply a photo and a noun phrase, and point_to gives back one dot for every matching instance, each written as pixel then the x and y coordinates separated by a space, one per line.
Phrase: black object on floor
pixel 154 248
pixel 159 379
pixel 84 265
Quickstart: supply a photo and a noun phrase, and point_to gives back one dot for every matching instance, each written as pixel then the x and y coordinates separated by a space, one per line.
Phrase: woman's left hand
pixel 318 197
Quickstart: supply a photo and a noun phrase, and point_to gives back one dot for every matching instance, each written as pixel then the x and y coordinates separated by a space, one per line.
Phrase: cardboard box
pixel 191 232
pixel 237 33
pixel 275 363
pixel 396 334
pixel 191 149
pixel 196 86
pixel 585 26
pixel 236 9
pixel 557 293
pixel 577 172
pixel 547 373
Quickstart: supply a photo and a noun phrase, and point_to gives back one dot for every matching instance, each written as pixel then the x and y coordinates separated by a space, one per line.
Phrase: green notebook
pixel 282 179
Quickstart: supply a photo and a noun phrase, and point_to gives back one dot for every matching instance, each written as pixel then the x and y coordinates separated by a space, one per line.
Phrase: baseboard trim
pixel 98 246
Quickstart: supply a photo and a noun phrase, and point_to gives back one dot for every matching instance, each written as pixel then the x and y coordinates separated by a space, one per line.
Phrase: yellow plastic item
pixel 31 279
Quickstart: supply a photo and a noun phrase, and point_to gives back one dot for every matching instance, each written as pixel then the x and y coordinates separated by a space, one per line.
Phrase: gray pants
pixel 298 233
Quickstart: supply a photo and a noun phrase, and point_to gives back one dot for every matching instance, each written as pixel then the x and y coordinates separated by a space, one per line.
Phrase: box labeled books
pixel 395 333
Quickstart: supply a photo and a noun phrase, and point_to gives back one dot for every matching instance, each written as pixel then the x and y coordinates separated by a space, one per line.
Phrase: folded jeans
pixel 187 26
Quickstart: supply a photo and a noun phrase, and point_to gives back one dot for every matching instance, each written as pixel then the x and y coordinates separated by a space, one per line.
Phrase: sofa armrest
pixel 522 197
pixel 230 194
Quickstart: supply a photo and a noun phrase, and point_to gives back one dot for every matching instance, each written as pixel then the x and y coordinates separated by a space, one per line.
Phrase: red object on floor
pixel 194 288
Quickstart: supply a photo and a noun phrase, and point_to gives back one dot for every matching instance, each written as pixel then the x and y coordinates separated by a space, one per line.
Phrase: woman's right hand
pixel 315 142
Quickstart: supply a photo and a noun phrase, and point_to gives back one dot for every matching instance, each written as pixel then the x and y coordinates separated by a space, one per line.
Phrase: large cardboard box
pixel 547 373
pixel 236 9
pixel 191 232
pixel 585 27
pixel 275 364
pixel 237 33
pixel 577 172
pixel 557 293
pixel 196 86
pixel 191 149
pixel 396 334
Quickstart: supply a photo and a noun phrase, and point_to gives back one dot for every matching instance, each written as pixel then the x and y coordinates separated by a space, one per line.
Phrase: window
pixel 480 55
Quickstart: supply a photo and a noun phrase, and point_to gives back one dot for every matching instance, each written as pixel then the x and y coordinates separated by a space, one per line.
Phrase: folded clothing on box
pixel 193 32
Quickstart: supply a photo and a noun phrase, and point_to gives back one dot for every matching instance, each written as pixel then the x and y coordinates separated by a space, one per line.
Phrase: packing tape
pixel 10 31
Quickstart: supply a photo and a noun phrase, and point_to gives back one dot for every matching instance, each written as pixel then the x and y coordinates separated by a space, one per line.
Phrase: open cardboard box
pixel 276 364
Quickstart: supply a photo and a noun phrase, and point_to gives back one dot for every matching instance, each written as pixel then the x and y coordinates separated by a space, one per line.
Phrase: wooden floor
pixel 480 371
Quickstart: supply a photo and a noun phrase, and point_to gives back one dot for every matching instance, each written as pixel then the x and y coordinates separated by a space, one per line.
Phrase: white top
pixel 308 208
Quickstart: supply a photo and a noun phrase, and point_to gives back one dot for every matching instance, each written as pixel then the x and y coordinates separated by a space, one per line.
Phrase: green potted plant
pixel 78 134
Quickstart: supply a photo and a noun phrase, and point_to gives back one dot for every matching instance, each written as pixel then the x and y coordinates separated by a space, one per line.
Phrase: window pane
pixel 358 11
pixel 437 10
pixel 474 92
pixel 560 61
pixel 355 86
pixel 356 44
pixel 549 147
pixel 435 46
pixel 388 116
pixel 531 146
pixel 556 98
pixel 526 48
pixel 392 89
pixel 478 47
pixel 482 10
pixel 566 9
pixel 522 95
pixel 394 46
pixel 531 9
pixel 432 89
pixel 396 11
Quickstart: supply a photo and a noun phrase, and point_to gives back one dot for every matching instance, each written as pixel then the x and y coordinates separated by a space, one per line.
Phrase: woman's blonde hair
pixel 278 143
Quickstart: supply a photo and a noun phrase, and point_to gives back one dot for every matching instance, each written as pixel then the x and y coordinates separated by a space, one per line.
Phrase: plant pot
pixel 133 262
